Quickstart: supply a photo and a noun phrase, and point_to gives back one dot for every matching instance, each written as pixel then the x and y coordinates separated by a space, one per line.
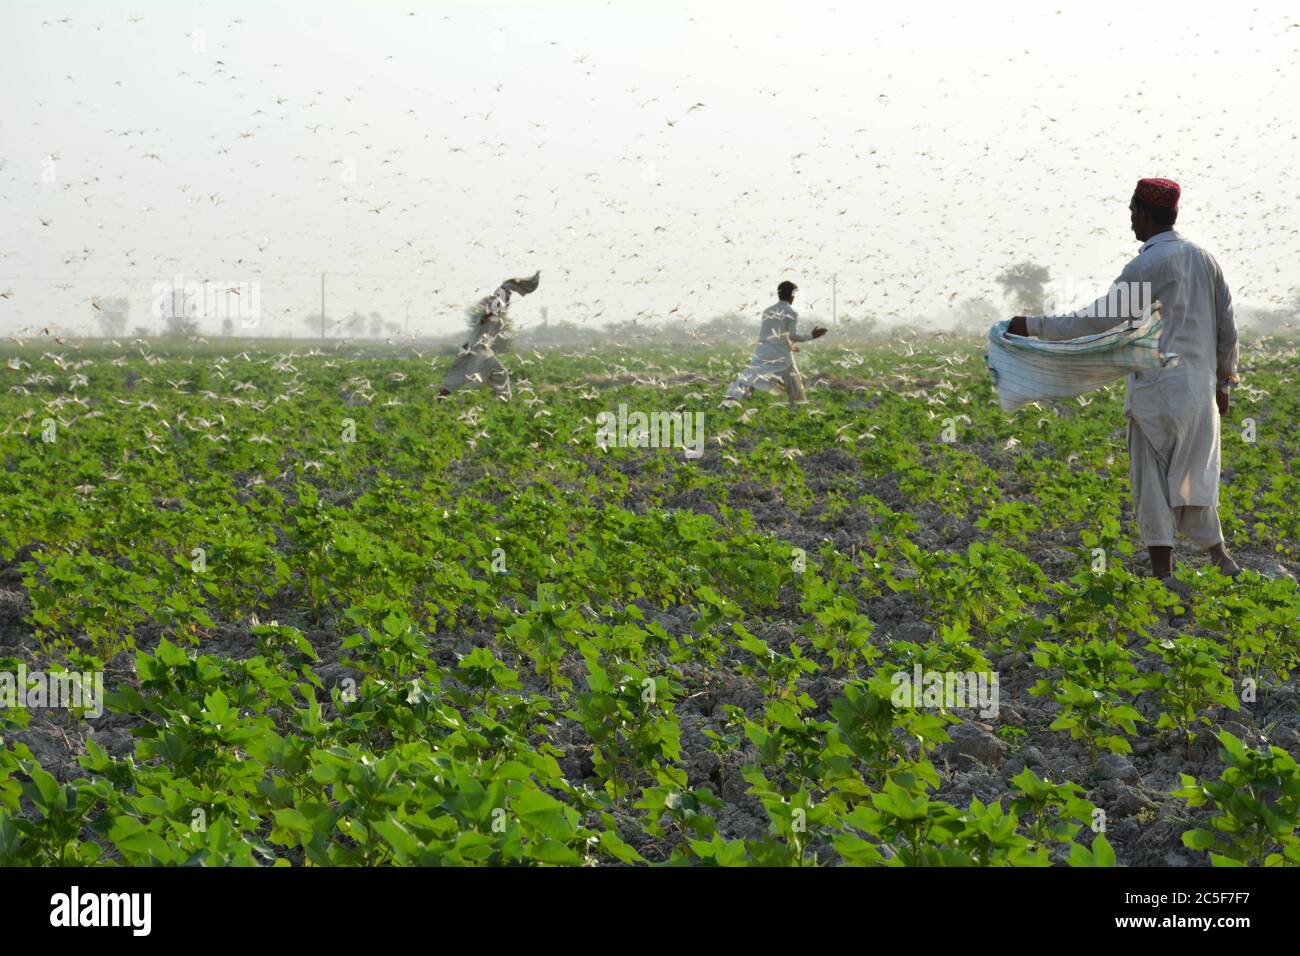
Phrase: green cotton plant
pixel 836 505
pixel 201 737
pixel 948 469
pixel 954 651
pixel 837 629
pixel 204 742
pixel 1192 681
pixel 842 571
pixel 1258 622
pixel 988 836
pixel 918 831
pixel 393 645
pixel 1278 500
pixel 788 747
pixel 360 791
pixel 733 738
pixel 1106 603
pixel 748 566
pixel 771 460
pixel 720 852
pixel 386 710
pixel 1094 684
pixel 309 527
pixel 1101 853
pixel 51 834
pixel 241 570
pixel 89 594
pixel 390 805
pixel 674 809
pixel 509 727
pixel 546 632
pixel 456 595
pixel 986 587
pixel 147 816
pixel 864 731
pixel 1011 735
pixel 1015 520
pixel 794 819
pixel 713 609
pixel 287 643
pixel 872 738
pixel 485 675
pixel 1257 804
pixel 624 632
pixel 171 820
pixel 1053 813
pixel 627 715
pixel 778 673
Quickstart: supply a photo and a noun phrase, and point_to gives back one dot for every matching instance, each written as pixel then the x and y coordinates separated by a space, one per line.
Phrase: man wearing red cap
pixel 1173 421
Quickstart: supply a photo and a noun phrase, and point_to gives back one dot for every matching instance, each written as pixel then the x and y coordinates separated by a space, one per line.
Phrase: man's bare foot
pixel 1223 560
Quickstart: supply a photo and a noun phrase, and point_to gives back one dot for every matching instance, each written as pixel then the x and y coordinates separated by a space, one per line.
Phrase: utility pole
pixel 406 329
pixel 834 318
pixel 322 305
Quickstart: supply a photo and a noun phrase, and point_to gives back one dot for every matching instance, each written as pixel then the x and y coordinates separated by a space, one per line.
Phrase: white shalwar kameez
pixel 772 369
pixel 477 364
pixel 1173 420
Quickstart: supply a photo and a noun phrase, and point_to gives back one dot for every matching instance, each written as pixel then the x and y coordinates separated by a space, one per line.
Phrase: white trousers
pixel 1157 520
pixel 789 382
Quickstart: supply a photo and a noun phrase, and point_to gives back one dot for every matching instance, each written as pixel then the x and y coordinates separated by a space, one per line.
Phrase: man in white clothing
pixel 1173 421
pixel 477 365
pixel 772 369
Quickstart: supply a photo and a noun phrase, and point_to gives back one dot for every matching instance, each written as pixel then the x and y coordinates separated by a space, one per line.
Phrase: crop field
pixel 341 623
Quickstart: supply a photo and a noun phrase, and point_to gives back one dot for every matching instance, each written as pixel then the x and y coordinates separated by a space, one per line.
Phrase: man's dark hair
pixel 786 289
pixel 1160 215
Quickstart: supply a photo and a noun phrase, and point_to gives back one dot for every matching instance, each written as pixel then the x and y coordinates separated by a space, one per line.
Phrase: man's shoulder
pixel 1164 246
pixel 782 307
pixel 1184 243
pixel 1209 256
pixel 1153 259
pixel 1170 242
pixel 1187 245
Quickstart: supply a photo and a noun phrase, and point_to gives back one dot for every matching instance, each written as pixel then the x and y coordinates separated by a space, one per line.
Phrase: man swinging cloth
pixel 1173 421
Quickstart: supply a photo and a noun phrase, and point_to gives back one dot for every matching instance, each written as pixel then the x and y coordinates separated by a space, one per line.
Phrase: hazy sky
pixel 421 152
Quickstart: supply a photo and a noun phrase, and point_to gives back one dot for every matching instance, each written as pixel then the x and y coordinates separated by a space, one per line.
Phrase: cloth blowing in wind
pixel 1173 411
pixel 773 369
pixel 477 364
pixel 1027 370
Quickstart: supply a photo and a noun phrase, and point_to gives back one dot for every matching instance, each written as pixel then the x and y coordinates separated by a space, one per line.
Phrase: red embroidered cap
pixel 1158 192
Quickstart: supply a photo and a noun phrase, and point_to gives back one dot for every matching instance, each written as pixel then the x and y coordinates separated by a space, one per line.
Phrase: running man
pixel 773 369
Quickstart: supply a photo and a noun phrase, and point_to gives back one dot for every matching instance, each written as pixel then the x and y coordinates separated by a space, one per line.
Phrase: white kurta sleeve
pixel 790 328
pixel 1116 306
pixel 1226 332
